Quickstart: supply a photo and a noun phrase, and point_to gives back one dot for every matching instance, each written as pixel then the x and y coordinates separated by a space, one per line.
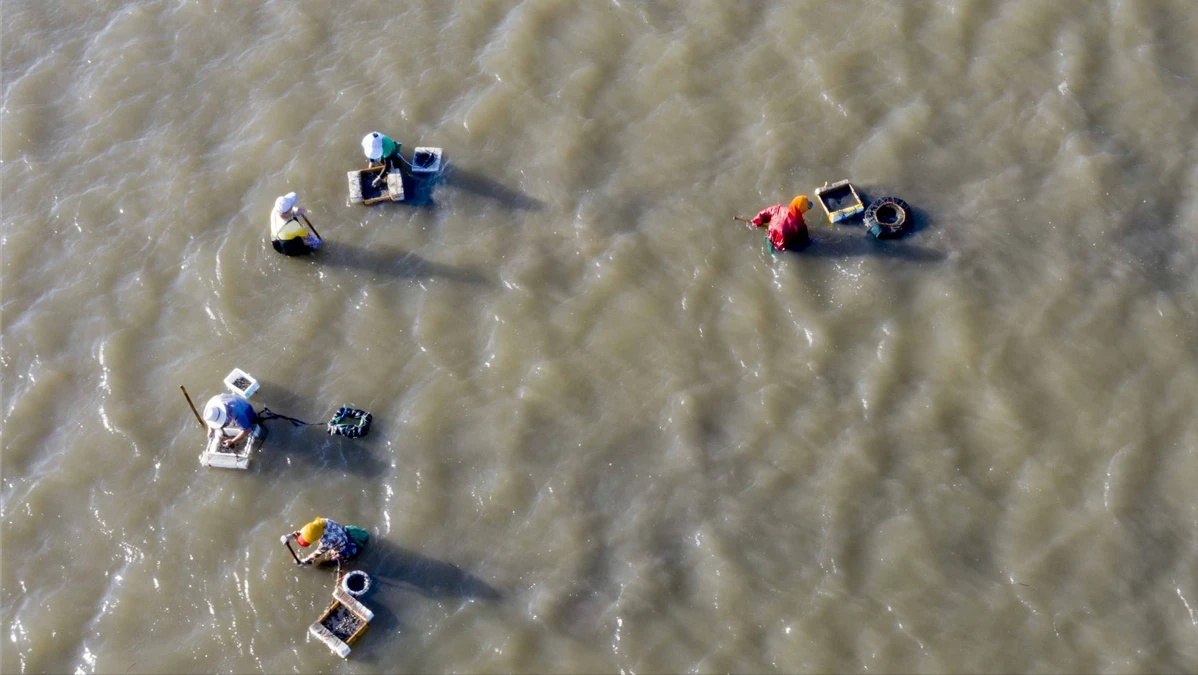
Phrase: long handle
pixel 193 407
pixel 742 219
pixel 289 549
pixel 309 223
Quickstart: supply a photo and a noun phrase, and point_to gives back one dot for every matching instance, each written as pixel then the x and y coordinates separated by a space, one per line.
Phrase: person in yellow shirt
pixel 287 234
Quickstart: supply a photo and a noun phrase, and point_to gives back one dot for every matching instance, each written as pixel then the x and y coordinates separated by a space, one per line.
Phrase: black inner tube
pixel 887 214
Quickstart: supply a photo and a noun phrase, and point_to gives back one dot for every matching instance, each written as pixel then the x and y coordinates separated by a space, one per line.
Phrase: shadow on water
pixel 419 188
pixel 470 181
pixel 845 245
pixel 398 567
pixel 394 571
pixel 289 449
pixel 391 262
pixel 865 245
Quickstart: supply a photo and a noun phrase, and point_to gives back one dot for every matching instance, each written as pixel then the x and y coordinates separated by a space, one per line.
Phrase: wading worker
pixel 787 231
pixel 287 234
pixel 380 149
pixel 335 542
pixel 227 411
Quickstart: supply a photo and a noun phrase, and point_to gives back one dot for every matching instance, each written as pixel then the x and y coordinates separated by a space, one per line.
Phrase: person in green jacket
pixel 380 149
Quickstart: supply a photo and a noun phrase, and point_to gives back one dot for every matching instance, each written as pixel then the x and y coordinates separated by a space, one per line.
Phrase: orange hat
pixel 799 204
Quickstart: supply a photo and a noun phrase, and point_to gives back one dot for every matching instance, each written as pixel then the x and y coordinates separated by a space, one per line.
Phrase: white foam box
pixel 337 645
pixel 216 457
pixel 426 160
pixel 236 374
pixel 395 185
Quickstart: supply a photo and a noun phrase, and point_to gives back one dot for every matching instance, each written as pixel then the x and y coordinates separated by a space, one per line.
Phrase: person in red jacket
pixel 787 231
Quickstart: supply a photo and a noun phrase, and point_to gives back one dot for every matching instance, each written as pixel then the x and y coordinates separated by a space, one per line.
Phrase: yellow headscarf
pixel 313 531
pixel 798 205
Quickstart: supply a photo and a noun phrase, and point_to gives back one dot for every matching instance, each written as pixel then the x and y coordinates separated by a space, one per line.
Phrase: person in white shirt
pixel 287 234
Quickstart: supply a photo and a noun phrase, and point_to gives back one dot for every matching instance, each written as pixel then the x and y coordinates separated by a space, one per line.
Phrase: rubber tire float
pixel 888 218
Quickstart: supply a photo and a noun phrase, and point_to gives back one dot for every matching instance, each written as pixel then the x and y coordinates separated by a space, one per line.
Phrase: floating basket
pixel 888 218
pixel 349 422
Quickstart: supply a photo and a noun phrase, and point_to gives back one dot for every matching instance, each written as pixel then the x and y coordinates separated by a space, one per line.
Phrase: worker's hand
pixel 306 561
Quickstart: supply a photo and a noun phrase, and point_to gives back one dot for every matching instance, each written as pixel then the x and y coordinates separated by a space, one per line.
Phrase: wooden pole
pixel 193 407
pixel 742 219
pixel 311 226
pixel 289 549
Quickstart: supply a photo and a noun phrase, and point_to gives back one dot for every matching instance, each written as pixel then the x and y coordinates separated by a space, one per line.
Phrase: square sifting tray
pixel 362 189
pixel 342 623
pixel 237 457
pixel 839 201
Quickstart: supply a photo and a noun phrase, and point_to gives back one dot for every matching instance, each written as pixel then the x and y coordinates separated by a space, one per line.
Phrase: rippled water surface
pixel 612 431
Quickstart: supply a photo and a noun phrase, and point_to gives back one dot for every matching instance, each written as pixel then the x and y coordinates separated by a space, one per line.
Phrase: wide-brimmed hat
pixel 372 145
pixel 215 415
pixel 283 204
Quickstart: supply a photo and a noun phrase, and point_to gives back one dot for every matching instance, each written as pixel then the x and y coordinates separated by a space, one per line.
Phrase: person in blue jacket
pixel 229 412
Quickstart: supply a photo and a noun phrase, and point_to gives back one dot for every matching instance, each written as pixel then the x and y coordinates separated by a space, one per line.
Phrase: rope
pixel 268 414
pixel 348 422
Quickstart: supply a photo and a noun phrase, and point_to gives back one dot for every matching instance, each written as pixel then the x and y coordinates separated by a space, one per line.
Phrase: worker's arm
pixel 230 442
pixel 321 549
pixel 294 536
pixel 763 217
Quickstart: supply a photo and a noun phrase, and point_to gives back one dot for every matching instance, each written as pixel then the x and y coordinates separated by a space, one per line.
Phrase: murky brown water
pixel 612 432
